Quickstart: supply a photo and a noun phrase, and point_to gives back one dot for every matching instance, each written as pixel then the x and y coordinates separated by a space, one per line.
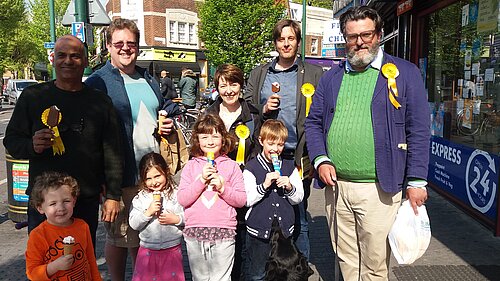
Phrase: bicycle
pixel 478 126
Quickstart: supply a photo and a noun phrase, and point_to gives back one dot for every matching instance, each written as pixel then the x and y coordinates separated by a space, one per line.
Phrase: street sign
pixel 97 14
pixel 78 30
pixel 50 57
pixel 48 45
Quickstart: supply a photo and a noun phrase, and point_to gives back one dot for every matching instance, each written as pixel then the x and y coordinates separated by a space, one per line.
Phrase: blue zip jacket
pixel 401 135
pixel 109 80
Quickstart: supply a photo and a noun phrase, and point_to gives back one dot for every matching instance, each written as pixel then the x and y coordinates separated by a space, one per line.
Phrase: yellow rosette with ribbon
pixel 242 132
pixel 51 117
pixel 390 71
pixel 307 91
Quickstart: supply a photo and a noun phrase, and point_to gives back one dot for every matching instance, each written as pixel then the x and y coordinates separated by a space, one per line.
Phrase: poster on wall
pixel 469 175
pixel 20 178
pixel 437 121
pixel 467 116
pixel 465 15
pixel 487 16
pixel 489 75
pixel 468 59
pixel 422 65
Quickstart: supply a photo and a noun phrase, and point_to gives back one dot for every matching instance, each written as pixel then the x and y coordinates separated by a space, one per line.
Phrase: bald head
pixel 70 59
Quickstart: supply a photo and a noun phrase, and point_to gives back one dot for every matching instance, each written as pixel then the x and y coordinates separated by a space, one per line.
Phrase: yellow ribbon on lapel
pixel 57 146
pixel 390 71
pixel 307 91
pixel 242 132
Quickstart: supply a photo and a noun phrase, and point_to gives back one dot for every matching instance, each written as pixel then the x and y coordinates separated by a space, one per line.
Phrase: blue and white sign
pixel 49 45
pixel 468 174
pixel 78 30
pixel 332 33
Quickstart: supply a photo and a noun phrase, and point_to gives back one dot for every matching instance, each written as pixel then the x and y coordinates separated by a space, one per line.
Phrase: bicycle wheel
pixel 466 131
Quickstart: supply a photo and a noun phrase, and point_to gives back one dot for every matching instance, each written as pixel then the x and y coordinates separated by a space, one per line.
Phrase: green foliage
pixel 327 4
pixel 238 31
pixel 13 14
pixel 22 37
pixel 39 27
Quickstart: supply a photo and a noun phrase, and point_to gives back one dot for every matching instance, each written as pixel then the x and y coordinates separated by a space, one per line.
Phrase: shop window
pixel 459 56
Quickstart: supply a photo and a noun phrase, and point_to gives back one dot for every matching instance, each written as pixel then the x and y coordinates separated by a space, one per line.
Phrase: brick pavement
pixel 460 249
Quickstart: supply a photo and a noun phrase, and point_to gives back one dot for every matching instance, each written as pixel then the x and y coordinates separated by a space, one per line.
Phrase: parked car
pixel 15 87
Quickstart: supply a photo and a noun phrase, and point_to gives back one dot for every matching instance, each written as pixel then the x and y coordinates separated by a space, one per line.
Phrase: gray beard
pixel 362 61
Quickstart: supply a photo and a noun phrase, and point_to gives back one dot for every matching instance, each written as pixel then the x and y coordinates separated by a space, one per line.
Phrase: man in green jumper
pixel 368 136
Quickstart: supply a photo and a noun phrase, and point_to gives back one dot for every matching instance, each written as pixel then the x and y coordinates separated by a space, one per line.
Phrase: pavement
pixel 461 248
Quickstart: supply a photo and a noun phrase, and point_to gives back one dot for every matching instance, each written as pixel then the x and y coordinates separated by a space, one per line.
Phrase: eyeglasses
pixel 121 44
pixel 366 36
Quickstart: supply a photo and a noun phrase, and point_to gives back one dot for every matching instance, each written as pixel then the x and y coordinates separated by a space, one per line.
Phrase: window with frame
pixel 192 38
pixel 173 31
pixel 182 32
pixel 459 60
pixel 314 46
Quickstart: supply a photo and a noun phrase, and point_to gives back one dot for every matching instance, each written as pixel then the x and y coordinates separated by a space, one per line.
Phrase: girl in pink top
pixel 209 191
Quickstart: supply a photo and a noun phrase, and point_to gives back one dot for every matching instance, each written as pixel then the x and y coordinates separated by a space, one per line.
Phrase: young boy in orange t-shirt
pixel 54 195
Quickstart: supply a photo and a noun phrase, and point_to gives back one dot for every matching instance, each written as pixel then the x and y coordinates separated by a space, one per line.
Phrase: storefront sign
pixel 487 16
pixel 332 33
pixel 467 174
pixel 20 179
pixel 166 55
pixel 404 6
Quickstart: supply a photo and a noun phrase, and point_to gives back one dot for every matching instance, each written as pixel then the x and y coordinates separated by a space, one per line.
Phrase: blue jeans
pixel 257 254
pixel 301 233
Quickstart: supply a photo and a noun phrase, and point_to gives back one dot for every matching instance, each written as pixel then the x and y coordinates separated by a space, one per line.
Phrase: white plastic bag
pixel 410 234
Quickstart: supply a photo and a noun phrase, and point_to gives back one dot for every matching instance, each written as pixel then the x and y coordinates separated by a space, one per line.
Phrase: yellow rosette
pixel 242 132
pixel 390 71
pixel 57 146
pixel 307 90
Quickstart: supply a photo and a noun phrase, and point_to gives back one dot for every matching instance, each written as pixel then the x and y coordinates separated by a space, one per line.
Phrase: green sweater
pixel 350 143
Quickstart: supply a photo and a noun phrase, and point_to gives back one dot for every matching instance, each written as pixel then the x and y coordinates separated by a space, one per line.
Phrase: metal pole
pixel 52 29
pixel 302 44
pixel 82 15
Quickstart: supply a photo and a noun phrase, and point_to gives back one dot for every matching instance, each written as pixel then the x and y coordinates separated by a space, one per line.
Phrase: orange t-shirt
pixel 45 244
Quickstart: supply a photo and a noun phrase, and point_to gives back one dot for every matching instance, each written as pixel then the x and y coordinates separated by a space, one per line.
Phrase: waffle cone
pixel 68 249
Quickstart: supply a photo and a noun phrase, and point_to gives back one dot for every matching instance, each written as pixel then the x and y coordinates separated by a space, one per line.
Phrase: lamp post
pixel 82 15
pixel 303 45
pixel 52 20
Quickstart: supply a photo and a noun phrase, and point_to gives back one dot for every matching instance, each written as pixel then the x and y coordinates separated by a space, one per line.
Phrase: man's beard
pixel 361 61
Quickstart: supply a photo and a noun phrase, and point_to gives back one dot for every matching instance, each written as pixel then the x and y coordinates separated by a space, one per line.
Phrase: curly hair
pixel 206 124
pixel 54 181
pixel 155 160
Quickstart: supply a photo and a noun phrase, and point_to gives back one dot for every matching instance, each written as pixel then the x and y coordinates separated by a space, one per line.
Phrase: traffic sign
pixel 78 30
pixel 50 57
pixel 49 45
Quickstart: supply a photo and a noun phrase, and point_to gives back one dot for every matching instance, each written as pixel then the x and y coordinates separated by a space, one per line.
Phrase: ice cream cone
pixel 156 196
pixel 68 243
pixel 68 249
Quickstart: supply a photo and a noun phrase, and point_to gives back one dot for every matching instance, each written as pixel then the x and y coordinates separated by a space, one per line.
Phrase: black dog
pixel 285 262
